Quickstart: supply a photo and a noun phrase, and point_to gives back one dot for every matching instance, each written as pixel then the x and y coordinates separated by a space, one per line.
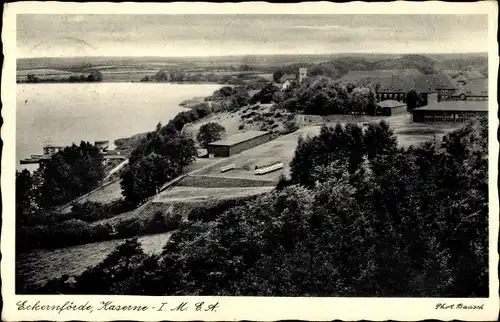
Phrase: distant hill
pixel 332 65
pixel 338 67
pixel 420 62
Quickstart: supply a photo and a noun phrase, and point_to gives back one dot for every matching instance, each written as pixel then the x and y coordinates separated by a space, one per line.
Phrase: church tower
pixel 302 74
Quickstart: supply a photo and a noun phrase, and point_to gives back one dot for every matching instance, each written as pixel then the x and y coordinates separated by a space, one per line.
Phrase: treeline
pixel 94 76
pixel 324 96
pixel 159 158
pixel 83 224
pixel 374 220
pixel 266 94
pixel 338 67
pixel 162 154
pixel 231 97
pixel 246 77
pixel 68 174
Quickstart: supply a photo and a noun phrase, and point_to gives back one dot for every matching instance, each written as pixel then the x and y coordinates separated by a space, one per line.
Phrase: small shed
pixel 391 107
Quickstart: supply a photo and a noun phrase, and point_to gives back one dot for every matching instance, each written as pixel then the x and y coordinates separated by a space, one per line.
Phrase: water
pixel 38 266
pixel 61 114
pixel 64 113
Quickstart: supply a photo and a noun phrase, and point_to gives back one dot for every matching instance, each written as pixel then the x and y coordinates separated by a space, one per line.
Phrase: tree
pixel 266 95
pixel 31 78
pixel 26 194
pixel 277 75
pixel 406 222
pixel 210 132
pixel 70 173
pixel 244 67
pixel 161 76
pixel 95 76
pixel 412 99
pixel 379 139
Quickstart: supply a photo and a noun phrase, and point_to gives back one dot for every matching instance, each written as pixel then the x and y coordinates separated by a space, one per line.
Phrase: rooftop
pixel 477 87
pixel 402 84
pixel 287 77
pixel 456 106
pixel 473 74
pixel 238 138
pixel 390 103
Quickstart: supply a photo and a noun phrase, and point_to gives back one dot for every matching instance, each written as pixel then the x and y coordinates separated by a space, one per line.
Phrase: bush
pixel 210 132
pixel 241 127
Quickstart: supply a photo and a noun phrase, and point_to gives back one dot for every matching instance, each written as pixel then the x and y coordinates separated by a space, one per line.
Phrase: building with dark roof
pixel 50 150
pixel 474 90
pixel 450 112
pixel 391 107
pixel 237 143
pixel 288 77
pixel 396 87
pixel 286 80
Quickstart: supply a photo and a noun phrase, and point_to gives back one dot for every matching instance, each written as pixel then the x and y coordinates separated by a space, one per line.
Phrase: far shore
pixel 122 81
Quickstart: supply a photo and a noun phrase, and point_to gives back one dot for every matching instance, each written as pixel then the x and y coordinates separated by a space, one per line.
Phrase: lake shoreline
pixel 103 114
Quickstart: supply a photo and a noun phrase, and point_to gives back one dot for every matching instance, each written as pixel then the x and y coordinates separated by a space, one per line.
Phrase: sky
pixel 46 35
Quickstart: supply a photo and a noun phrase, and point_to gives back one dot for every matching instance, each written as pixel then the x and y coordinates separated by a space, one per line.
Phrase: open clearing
pixel 194 194
pixel 230 121
pixel 43 72
pixel 281 149
pixel 107 194
pixel 407 132
pixel 410 133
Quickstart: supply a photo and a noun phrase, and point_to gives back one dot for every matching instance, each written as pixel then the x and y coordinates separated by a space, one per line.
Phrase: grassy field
pixel 107 194
pixel 222 181
pixel 230 121
pixel 410 133
pixel 124 76
pixel 281 149
pixel 43 72
pixel 193 194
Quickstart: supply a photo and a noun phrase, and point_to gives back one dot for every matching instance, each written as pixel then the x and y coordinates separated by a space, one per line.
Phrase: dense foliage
pixel 266 94
pixel 68 174
pixel 236 96
pixel 244 76
pixel 324 96
pixel 340 66
pixel 412 100
pixel 210 132
pixel 84 224
pixel 159 158
pixel 383 221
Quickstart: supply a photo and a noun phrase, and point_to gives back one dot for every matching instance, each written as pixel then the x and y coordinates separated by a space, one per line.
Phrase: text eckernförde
pixel 67 306
pixel 111 306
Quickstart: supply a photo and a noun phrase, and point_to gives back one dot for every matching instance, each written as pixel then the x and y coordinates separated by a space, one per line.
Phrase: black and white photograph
pixel 257 155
